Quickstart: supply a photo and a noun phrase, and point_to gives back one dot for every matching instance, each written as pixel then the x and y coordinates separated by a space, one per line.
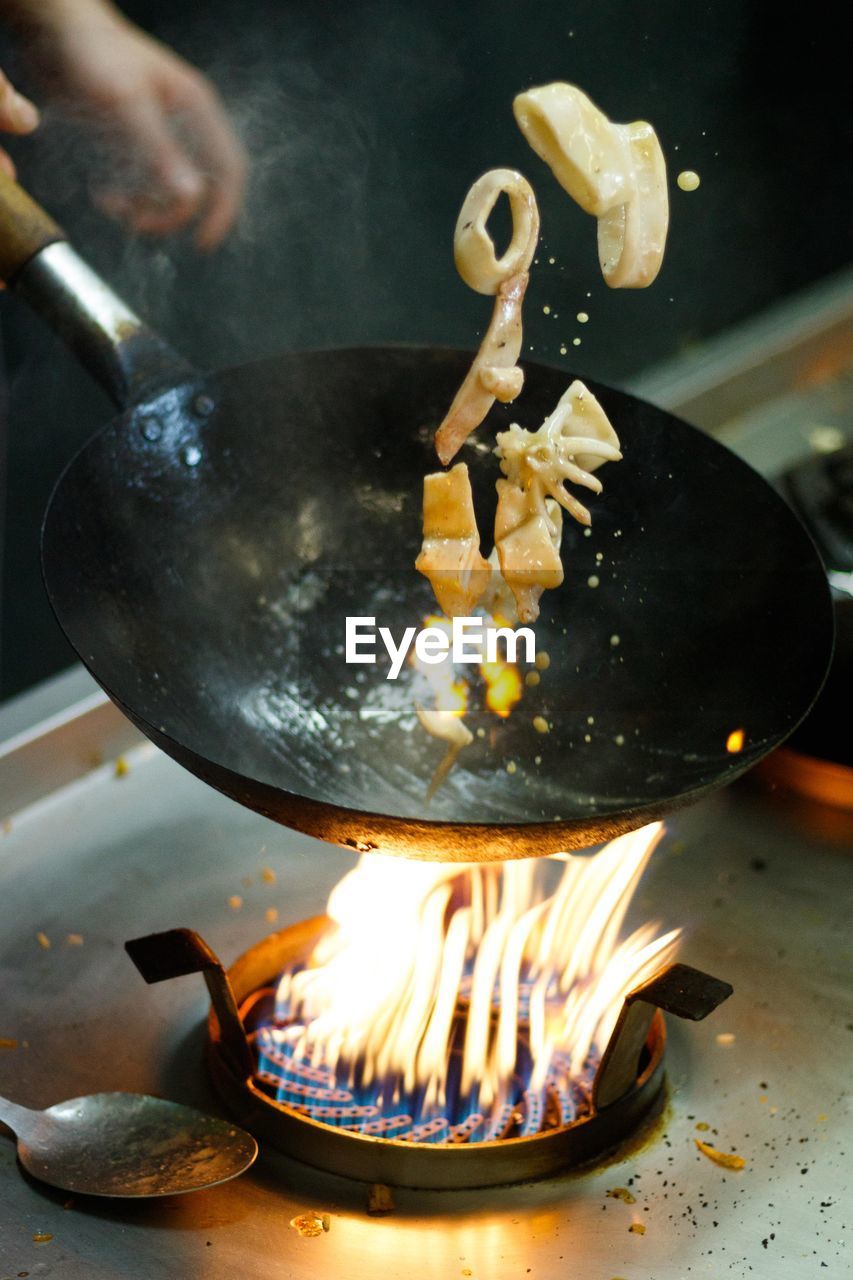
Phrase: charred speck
pixel 758 864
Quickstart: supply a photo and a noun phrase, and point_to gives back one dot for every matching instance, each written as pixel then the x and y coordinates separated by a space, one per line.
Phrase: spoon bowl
pixel 127 1144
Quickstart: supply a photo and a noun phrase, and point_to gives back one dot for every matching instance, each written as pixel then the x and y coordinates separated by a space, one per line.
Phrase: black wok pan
pixel 203 550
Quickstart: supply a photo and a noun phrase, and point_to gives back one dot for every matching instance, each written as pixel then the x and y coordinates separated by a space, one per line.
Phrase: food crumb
pixel 271 914
pixel 703 1127
pixel 638 1228
pixel 621 1193
pixel 268 875
pixel 42 1237
pixel 74 940
pixel 543 660
pixel 308 1225
pixel 6 1042
pixel 43 940
pixel 541 725
pixel 122 768
pixel 235 902
pixel 722 1158
pixel 726 1037
pixel 380 1199
pixel 466 1271
pixel 688 180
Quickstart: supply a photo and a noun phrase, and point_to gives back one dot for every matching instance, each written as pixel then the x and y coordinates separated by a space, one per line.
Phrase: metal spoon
pixel 127 1144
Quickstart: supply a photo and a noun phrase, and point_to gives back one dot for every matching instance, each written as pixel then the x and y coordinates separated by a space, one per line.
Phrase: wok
pixel 203 551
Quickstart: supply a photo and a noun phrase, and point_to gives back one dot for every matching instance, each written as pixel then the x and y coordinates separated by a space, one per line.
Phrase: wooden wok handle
pixel 25 228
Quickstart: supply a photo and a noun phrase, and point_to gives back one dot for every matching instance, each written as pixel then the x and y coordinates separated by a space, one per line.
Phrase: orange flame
pixel 384 985
pixel 503 686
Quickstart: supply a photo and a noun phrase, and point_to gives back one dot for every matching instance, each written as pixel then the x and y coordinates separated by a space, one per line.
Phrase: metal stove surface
pixel 766 903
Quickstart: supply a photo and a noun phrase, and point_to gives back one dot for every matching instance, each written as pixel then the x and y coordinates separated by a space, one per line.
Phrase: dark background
pixel 366 124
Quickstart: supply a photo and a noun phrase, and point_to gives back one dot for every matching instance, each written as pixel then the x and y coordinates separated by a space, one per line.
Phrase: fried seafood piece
pixel 450 728
pixel 616 172
pixel 528 548
pixel 450 554
pixel 572 442
pixel 494 375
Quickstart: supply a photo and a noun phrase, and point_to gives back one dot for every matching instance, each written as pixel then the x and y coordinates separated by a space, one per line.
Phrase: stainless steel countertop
pixel 111 857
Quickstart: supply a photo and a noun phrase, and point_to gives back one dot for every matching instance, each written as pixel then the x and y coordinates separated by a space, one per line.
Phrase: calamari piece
pixel 494 374
pixel 574 440
pixel 528 547
pixel 616 172
pixel 497 600
pixel 473 247
pixel 450 555
pixel 632 235
pixel 449 728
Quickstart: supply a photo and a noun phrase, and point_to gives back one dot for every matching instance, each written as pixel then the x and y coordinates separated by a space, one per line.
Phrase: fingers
pixel 166 190
pixel 17 113
pixel 220 156
pixel 7 164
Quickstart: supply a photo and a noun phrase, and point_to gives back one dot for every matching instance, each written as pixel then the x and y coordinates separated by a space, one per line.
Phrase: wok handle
pixel 25 228
pixel 130 361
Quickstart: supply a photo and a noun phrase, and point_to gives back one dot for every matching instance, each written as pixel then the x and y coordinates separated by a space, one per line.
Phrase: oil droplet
pixel 552 261
pixel 43 940
pixel 614 640
pixel 735 741
pixel 192 455
pixel 576 342
pixel 725 1037
pixel 703 1127
pixel 619 739
pixel 541 725
pixel 538 760
pixel 590 719
pixel 235 902
pixel 511 767
pixel 564 350
pixel 532 679
pixel 481 733
pixel 688 180
pixel 543 660
pixel 582 317
pixel 593 580
pixel 587 737
pixel 546 309
pixel 271 915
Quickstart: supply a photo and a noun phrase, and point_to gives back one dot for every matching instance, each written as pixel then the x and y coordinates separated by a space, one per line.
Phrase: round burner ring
pixel 407 1164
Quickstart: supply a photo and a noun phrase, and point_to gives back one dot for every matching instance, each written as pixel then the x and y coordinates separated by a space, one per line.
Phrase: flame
pixel 412 944
pixel 503 686
pixel 735 741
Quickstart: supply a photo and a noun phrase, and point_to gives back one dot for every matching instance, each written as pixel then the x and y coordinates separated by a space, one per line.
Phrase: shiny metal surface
pixel 765 900
pixel 127 358
pixel 127 1144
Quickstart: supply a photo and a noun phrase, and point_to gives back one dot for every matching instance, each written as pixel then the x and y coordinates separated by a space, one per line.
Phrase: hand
pixel 174 157
pixel 17 115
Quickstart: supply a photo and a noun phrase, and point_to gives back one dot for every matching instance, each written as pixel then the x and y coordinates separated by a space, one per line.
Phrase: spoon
pixel 127 1144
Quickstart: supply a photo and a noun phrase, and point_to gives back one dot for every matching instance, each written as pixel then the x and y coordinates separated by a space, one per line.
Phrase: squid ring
pixel 473 247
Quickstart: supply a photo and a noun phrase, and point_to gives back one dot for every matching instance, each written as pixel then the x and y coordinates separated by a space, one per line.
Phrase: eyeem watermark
pixel 468 640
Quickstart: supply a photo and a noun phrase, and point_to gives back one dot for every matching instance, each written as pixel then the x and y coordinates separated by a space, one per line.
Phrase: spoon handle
pixel 16 1117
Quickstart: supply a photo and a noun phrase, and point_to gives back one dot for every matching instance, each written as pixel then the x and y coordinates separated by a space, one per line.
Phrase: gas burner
pixel 624 1087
